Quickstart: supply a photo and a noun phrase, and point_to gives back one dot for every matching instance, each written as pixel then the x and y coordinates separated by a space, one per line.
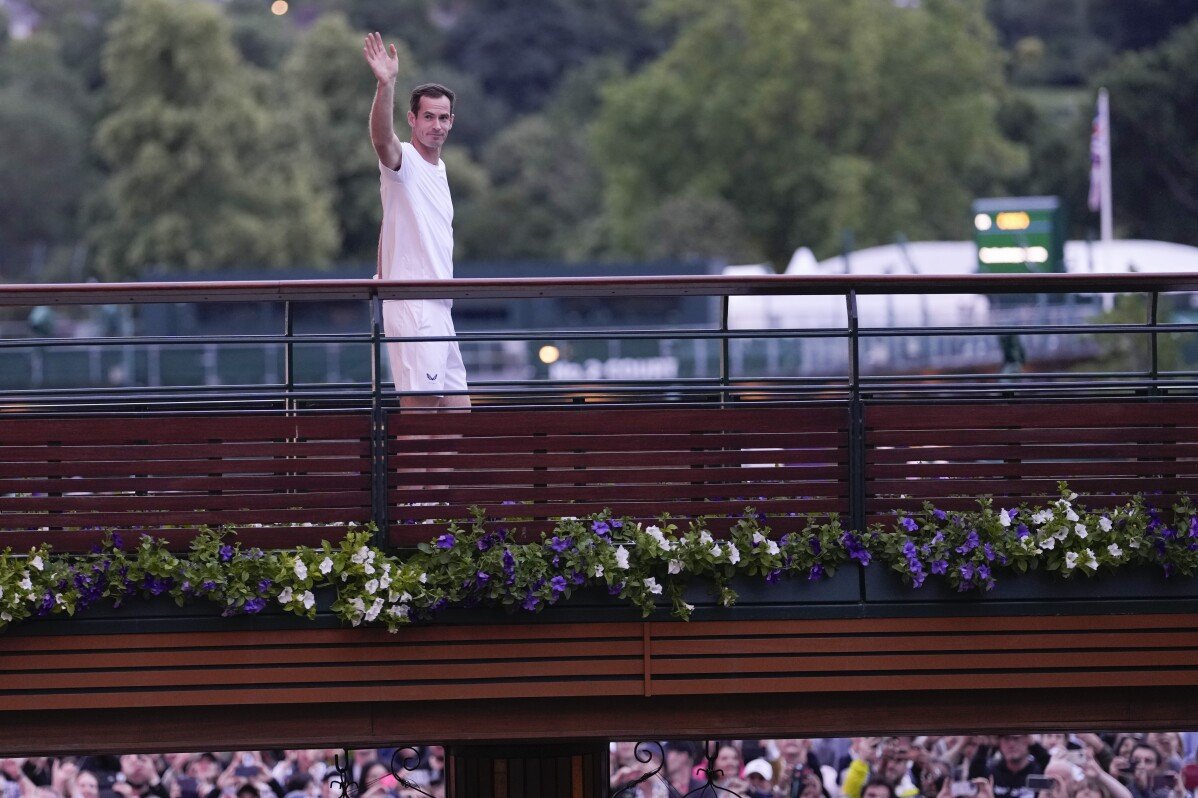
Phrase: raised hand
pixel 383 60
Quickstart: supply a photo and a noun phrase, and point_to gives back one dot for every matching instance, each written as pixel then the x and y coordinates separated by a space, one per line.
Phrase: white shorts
pixel 424 366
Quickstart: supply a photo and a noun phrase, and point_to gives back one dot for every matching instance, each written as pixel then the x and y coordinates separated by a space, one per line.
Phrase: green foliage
pixel 202 169
pixel 331 89
pixel 43 124
pixel 810 118
pixel 1154 138
pixel 520 51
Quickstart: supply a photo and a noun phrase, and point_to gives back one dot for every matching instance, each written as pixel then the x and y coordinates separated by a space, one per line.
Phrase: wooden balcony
pixel 858 653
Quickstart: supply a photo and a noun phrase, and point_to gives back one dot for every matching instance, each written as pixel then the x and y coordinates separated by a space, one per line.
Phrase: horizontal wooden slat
pixel 743 478
pixel 616 440
pixel 183 451
pixel 593 459
pixel 1057 415
pixel 123 469
pixel 1035 452
pixel 190 429
pixel 590 421
pixel 1017 471
pixel 717 494
pixel 147 503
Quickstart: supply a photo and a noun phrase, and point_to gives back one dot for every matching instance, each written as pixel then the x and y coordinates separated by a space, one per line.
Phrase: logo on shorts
pixel 431 377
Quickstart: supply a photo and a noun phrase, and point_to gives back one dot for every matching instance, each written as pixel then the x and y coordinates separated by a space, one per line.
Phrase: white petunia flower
pixel 758 538
pixel 286 595
pixel 1080 529
pixel 301 570
pixel 716 551
pixel 423 579
pixel 675 567
pixel 326 565
pixel 1091 560
pixel 598 572
pixel 1115 550
pixel 1070 559
pixel 1042 517
pixel 1049 543
pixel 705 538
pixel 1070 515
pixel 1003 518
pixel 361 555
pixel 25 584
pixel 37 563
pixel 652 586
pixel 1104 524
pixel 406 597
pixel 622 558
pixel 6 617
pixel 308 599
pixel 733 553
pixel 372 586
pixel 374 610
pixel 1134 543
pixel 771 547
pixel 689 607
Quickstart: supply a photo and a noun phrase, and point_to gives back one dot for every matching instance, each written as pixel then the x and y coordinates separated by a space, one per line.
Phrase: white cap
pixel 761 768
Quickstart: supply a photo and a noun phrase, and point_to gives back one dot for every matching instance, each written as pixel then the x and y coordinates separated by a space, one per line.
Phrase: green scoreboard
pixel 1019 234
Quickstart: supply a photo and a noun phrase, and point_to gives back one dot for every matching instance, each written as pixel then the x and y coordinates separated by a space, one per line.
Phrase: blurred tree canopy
pixel 202 171
pixel 809 117
pixel 185 134
pixel 1154 134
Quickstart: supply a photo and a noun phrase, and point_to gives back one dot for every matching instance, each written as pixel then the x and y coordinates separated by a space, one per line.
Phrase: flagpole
pixel 1104 120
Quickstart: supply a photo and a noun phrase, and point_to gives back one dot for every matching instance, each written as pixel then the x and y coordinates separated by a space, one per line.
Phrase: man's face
pixel 431 123
pixel 875 791
pixel 1014 749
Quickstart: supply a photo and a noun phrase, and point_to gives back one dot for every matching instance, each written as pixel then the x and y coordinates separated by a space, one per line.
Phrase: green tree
pixel 43 124
pixel 1154 139
pixel 333 88
pixel 811 117
pixel 521 51
pixel 203 172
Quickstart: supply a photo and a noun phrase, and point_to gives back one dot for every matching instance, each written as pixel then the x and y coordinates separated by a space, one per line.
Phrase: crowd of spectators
pixel 305 773
pixel 1151 765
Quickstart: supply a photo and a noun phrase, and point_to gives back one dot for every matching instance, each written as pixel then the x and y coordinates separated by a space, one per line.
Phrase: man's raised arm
pixel 384 62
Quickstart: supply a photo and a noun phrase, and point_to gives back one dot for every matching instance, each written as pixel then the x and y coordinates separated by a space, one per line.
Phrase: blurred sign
pixel 1019 234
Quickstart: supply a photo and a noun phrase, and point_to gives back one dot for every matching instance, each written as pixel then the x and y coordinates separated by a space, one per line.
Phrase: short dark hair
pixel 429 90
pixel 879 783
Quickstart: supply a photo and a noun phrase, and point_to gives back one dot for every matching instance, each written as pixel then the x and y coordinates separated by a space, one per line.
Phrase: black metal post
pixel 724 349
pixel 378 425
pixel 288 356
pixel 856 419
pixel 1153 354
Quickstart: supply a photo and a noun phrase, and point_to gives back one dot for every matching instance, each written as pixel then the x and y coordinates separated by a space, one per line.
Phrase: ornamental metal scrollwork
pixel 711 774
pixel 405 760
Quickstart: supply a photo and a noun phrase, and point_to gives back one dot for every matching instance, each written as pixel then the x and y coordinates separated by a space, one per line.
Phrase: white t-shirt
pixel 416 242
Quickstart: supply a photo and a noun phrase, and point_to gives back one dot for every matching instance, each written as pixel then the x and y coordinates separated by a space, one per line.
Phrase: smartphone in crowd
pixel 1037 782
pixel 796 780
pixel 961 789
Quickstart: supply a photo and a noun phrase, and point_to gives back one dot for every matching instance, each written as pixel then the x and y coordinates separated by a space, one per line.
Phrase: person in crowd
pixel 727 765
pixel 1010 766
pixel 759 774
pixel 1145 775
pixel 679 769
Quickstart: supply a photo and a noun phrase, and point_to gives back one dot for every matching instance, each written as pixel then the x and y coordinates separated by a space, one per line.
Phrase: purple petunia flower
pixel 940 514
pixel 577 578
pixel 1022 531
pixel 558 585
pixel 560 544
pixel 156 586
pixel 773 576
pixel 254 606
pixel 939 566
pixel 816 573
pixel 601 528
pixel 481 578
pixel 909 524
pixel 971 543
pixel 616 589
pixel 264 585
pixel 531 602
pixel 207 586
pixel 988 552
pixel 446 541
pixel 967 572
pixel 225 553
pixel 815 546
pixel 856 551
